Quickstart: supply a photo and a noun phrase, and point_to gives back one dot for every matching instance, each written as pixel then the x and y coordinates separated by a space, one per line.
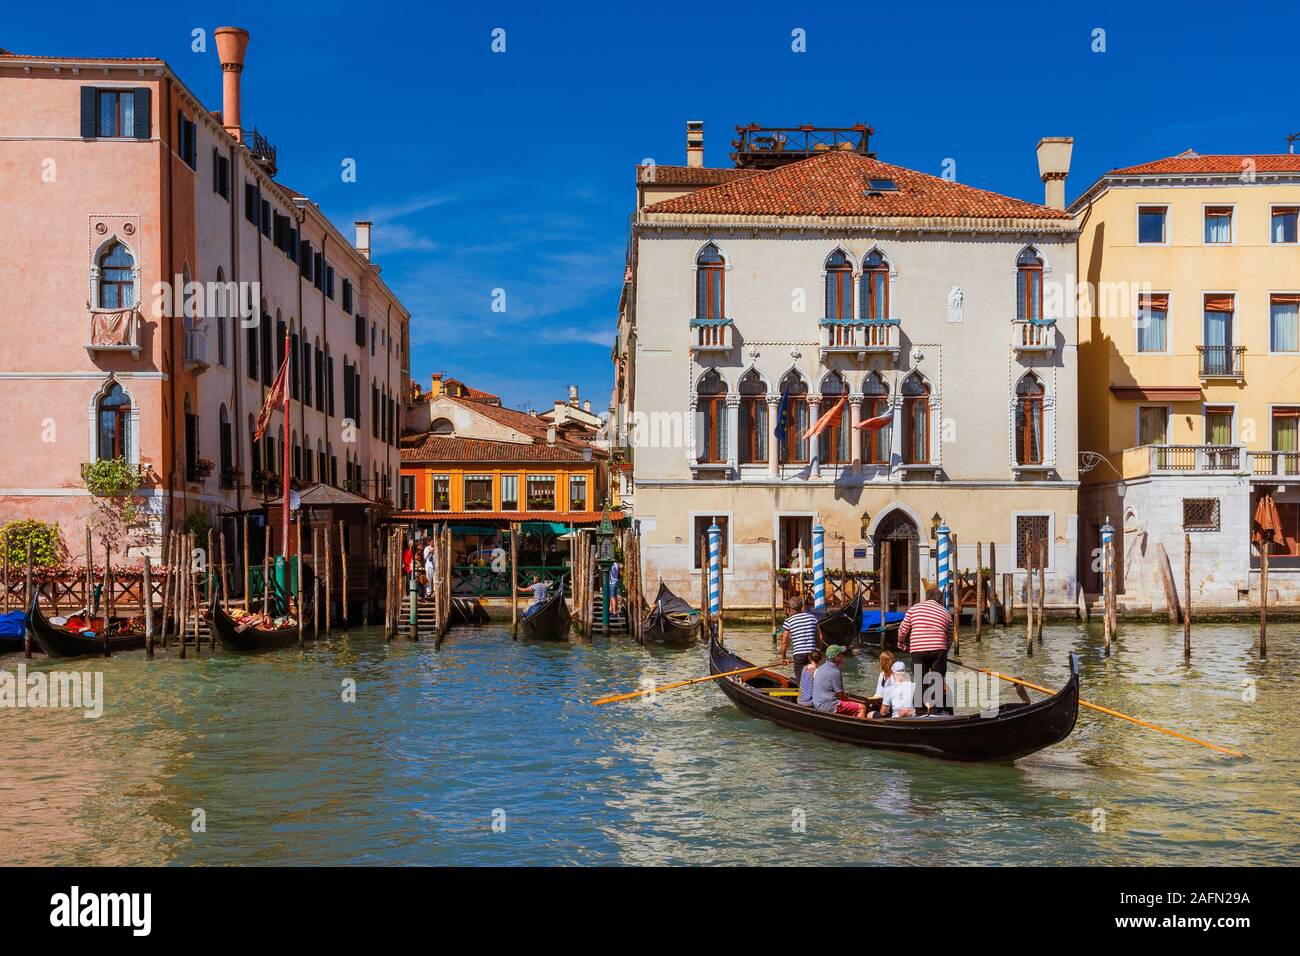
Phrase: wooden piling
pixel 315 583
pixel 297 599
pixel 166 588
pixel 775 576
pixel 1167 580
pixel 1187 597
pixel 8 586
pixel 515 527
pixel 979 590
pixel 147 598
pixel 267 566
pixel 1008 600
pixel 999 609
pixel 248 572
pixel 108 597
pixel 343 570
pixel 329 565
pixel 1029 598
pixel 183 591
pixel 213 570
pixel 1264 547
pixel 883 572
pixel 27 599
pixel 225 574
pixel 1042 586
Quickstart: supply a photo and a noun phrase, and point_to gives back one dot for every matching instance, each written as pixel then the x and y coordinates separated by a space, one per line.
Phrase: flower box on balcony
pixel 114 330
pixel 711 335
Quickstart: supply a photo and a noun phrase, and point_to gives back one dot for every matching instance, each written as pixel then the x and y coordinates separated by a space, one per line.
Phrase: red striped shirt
pixel 925 627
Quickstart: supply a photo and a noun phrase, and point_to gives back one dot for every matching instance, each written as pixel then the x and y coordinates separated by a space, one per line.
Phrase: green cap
pixel 834 650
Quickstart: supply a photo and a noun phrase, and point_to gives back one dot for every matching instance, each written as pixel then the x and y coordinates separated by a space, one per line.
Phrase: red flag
pixel 274 397
pixel 877 423
pixel 826 421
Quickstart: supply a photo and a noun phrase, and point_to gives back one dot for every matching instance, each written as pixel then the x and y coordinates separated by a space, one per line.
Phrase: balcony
pixel 195 352
pixel 1272 466
pixel 1183 460
pixel 711 335
pixel 860 337
pixel 114 330
pixel 261 150
pixel 1221 362
pixel 1031 336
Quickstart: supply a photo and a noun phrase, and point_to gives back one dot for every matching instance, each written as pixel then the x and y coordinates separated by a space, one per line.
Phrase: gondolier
pixel 926 632
pixel 799 637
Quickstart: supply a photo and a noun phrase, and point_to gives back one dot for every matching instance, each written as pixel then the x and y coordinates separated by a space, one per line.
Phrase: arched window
pixel 116 278
pixel 281 330
pixel 114 432
pixel 753 419
pixel 916 420
pixel 711 407
pixel 834 441
pixel 320 462
pixel 1029 285
pixel 226 451
pixel 794 399
pixel 875 403
pixel 839 286
pixel 1029 421
pixel 875 286
pixel 442 426
pixel 250 345
pixel 191 442
pixel 710 284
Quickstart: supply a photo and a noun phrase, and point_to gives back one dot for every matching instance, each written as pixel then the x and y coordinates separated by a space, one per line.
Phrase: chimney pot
pixel 573 395
pixel 232 44
pixel 363 238
pixel 550 434
pixel 586 406
pixel 1054 167
pixel 695 143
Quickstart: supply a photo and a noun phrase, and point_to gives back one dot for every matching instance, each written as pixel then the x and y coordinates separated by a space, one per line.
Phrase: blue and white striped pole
pixel 819 566
pixel 944 535
pixel 715 569
pixel 1107 539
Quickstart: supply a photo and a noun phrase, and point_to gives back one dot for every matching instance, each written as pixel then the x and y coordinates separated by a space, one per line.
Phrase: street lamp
pixel 935 521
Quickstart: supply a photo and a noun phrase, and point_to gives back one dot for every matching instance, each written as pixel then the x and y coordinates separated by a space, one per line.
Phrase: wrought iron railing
pixel 1193 458
pixel 482 580
pixel 1221 361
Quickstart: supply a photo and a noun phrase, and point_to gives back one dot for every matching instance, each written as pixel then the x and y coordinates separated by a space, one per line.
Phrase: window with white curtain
pixel 1284 322
pixel 1153 322
pixel 1218 225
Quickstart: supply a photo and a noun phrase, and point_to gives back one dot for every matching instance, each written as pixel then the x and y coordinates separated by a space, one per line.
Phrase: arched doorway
pixel 898 533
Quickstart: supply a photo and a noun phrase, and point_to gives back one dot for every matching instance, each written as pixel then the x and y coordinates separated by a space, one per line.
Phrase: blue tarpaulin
pixel 871 619
pixel 13 624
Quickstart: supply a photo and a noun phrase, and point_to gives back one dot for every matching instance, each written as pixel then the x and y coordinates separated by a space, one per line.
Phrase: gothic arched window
pixel 113 413
pixel 116 278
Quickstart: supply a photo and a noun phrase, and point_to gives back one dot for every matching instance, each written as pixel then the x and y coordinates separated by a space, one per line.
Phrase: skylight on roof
pixel 881 186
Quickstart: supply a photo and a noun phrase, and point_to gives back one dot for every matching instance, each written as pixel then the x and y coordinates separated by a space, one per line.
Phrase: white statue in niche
pixel 955 296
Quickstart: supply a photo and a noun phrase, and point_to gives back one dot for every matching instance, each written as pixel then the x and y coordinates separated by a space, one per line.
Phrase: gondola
pixel 876 637
pixel 58 641
pixel 842 626
pixel 236 637
pixel 550 622
pixel 670 620
pixel 1016 730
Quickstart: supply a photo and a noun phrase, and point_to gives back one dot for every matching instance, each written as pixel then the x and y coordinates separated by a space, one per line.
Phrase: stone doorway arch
pixel 899 533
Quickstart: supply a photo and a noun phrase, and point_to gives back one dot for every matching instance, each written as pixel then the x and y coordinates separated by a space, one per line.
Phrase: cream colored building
pixel 1190 371
pixel 820 279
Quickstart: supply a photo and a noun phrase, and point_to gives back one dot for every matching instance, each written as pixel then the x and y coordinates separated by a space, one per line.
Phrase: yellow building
pixel 1189 370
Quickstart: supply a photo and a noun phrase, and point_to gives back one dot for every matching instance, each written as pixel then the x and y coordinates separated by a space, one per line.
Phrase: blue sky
pixel 514 170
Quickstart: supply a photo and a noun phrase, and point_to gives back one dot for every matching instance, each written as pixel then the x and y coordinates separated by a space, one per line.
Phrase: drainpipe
pixel 169 340
pixel 236 396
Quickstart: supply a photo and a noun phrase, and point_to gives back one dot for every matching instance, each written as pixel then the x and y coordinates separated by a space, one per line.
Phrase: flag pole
pixel 285 504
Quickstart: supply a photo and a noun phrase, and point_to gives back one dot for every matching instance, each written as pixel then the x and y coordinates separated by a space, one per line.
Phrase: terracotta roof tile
pixel 835 184
pixel 691 175
pixel 1190 163
pixel 446 448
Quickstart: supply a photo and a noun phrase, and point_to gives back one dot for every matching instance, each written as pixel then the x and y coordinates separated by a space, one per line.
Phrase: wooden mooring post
pixel 248 572
pixel 979 590
pixel 297 600
pixel 775 585
pixel 329 565
pixel 27 599
pixel 1264 547
pixel 515 528
pixel 1029 598
pixel 182 589
pixel 8 586
pixel 343 571
pixel 1187 597
pixel 147 598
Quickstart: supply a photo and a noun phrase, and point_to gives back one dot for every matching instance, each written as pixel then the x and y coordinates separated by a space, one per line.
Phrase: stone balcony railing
pixel 712 335
pixel 1267 466
pixel 1183 460
pixel 859 337
pixel 1033 335
pixel 113 330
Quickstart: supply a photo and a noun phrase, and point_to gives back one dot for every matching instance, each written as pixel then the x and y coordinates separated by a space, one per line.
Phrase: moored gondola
pixel 841 626
pixel 877 637
pixel 57 641
pixel 248 637
pixel 1016 730
pixel 670 620
pixel 550 622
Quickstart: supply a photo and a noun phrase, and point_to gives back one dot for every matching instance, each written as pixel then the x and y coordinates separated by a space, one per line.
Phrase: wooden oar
pixel 1100 709
pixel 681 683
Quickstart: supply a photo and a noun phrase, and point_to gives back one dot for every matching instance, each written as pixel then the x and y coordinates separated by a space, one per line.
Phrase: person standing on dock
pixel 926 632
pixel 430 565
pixel 614 572
pixel 799 637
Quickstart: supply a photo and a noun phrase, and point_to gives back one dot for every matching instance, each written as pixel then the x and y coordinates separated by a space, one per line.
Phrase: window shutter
pixel 216 171
pixel 88 98
pixel 143 119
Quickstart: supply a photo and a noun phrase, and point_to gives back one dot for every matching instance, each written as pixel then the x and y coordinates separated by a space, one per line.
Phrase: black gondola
pixel 670 620
pixel 550 622
pixel 249 637
pixel 58 641
pixel 1018 728
pixel 874 636
pixel 842 626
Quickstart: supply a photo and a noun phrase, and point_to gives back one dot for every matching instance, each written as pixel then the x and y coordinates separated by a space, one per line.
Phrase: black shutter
pixel 216 171
pixel 89 102
pixel 143 117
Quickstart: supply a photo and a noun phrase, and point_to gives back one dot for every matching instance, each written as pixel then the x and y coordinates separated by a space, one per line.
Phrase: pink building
pixel 116 182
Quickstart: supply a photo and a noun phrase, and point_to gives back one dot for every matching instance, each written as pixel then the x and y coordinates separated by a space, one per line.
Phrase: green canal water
pixel 439 744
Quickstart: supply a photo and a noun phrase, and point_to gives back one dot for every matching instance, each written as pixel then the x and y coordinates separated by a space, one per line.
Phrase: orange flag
pixel 827 420
pixel 273 398
pixel 877 423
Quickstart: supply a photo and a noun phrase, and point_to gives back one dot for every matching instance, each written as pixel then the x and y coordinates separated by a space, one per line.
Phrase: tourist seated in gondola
pixel 828 686
pixel 884 676
pixel 540 590
pixel 806 679
pixel 899 694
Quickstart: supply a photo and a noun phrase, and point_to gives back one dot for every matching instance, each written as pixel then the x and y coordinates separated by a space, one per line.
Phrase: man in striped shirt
pixel 926 632
pixel 799 637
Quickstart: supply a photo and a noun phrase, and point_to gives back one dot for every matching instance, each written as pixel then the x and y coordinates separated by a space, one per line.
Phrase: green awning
pixel 474 529
pixel 544 527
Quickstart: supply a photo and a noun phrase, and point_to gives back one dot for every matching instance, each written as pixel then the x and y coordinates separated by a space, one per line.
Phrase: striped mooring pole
pixel 1107 552
pixel 819 566
pixel 944 551
pixel 715 569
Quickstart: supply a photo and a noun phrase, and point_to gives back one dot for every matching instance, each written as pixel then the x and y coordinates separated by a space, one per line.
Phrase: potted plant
pixel 202 469
pixel 230 477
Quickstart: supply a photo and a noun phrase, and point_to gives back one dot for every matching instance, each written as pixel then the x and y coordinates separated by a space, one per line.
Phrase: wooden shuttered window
pixel 89 105
pixel 143 118
pixel 139 104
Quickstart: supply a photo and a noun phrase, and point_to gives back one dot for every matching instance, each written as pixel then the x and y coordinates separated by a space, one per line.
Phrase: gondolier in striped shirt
pixel 926 632
pixel 799 637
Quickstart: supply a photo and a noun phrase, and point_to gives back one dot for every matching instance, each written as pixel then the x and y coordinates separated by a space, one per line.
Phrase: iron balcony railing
pixel 1221 361
pixel 1194 458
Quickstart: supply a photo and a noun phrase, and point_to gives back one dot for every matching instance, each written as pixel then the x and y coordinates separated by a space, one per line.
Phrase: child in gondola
pixel 900 694
pixel 806 679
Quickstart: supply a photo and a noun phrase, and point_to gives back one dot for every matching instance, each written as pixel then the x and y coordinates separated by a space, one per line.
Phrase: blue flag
pixel 782 417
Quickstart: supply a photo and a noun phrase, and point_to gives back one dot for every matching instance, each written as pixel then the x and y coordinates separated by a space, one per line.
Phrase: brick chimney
pixel 232 43
pixel 695 143
pixel 1054 167
pixel 363 238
